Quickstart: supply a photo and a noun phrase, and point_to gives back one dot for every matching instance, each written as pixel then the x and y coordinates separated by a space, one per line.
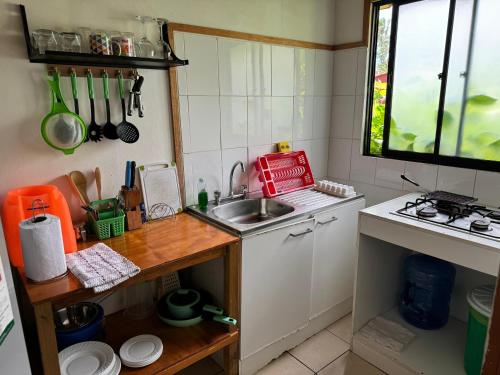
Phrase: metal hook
pixel 38 204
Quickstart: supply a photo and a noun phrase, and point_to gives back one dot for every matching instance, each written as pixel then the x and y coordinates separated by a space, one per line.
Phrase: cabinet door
pixel 335 239
pixel 275 285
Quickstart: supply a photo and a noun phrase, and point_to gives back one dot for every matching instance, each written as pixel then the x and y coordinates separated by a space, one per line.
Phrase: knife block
pixel 132 201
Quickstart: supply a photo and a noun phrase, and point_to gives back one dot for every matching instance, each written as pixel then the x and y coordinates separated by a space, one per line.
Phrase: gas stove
pixel 477 220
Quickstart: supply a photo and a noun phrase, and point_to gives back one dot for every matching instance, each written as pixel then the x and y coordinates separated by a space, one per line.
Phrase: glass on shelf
pixel 45 40
pixel 71 42
pixel 122 43
pixel 162 48
pixel 85 33
pixel 146 47
pixel 100 43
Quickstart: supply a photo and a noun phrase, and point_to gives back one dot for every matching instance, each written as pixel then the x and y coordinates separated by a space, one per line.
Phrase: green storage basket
pixel 480 302
pixel 111 221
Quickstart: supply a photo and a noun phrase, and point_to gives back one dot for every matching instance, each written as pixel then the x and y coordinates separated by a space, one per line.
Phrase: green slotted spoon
pixel 62 129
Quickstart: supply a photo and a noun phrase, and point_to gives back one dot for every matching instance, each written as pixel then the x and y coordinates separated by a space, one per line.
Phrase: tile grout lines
pixel 329 363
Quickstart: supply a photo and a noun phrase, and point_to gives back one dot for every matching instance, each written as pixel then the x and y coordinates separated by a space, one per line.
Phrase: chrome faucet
pixel 243 189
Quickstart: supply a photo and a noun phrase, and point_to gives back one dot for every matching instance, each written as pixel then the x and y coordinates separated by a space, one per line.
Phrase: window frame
pixel 434 158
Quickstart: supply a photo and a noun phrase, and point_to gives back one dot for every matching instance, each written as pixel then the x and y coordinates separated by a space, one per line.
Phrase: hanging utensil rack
pixel 90 60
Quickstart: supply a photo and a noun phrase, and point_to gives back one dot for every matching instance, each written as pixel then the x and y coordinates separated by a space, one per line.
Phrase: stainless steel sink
pixel 251 211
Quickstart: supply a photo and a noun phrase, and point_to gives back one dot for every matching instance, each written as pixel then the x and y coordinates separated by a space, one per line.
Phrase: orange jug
pixel 18 206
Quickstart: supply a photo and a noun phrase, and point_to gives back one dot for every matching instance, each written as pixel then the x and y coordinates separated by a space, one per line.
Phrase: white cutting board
pixel 160 184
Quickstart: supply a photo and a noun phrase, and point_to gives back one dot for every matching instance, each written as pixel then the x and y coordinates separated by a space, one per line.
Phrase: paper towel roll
pixel 43 248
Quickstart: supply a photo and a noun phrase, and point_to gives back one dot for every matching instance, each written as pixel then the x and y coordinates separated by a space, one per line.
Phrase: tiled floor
pixel 326 353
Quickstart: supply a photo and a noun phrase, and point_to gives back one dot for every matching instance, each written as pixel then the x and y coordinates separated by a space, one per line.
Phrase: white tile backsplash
pixel 229 157
pixel 456 180
pixel 303 110
pixel 359 116
pixel 362 167
pixel 232 66
pixel 259 120
pixel 206 165
pixel 181 70
pixel 204 123
pixel 234 128
pixel 323 73
pixel 388 173
pixel 282 73
pixel 361 71
pixel 342 119
pixel 258 69
pixel 185 128
pixel 304 71
pixel 282 118
pixel 322 117
pixel 423 174
pixel 202 71
pixel 319 158
pixel 339 158
pixel 487 188
pixel 345 72
pixel 238 98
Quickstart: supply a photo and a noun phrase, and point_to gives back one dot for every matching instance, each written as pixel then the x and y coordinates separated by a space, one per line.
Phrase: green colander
pixel 62 129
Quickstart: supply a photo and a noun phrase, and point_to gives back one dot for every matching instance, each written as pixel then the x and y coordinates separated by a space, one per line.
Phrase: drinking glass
pixel 100 43
pixel 45 40
pixel 85 33
pixel 162 48
pixel 71 42
pixel 147 49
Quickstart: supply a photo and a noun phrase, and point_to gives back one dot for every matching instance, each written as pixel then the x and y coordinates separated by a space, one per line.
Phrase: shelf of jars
pixel 95 48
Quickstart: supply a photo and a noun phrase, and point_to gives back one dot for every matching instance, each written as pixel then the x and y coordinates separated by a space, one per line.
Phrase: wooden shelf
pixel 85 59
pixel 181 346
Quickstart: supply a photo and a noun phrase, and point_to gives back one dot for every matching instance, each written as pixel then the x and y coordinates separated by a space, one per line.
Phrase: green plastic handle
pixel 74 85
pixel 90 85
pixel 213 309
pixel 121 88
pixel 105 85
pixel 225 319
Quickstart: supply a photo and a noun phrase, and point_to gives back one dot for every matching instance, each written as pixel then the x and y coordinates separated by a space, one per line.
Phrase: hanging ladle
pixel 125 130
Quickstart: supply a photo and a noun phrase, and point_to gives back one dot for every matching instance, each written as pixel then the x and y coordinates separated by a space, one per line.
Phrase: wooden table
pixel 158 249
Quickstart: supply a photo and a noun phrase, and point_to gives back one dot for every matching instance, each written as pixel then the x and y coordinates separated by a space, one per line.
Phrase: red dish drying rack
pixel 284 172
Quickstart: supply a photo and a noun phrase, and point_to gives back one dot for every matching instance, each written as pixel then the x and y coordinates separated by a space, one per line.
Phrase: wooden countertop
pixel 156 247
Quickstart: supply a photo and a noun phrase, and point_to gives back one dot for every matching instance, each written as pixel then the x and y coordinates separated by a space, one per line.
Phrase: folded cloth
pixel 100 267
pixel 389 334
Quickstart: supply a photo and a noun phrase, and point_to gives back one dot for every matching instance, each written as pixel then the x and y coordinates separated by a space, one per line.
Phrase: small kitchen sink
pixel 251 211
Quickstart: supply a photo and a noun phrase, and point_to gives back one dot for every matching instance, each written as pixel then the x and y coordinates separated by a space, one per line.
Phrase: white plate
pixel 140 351
pixel 87 358
pixel 116 368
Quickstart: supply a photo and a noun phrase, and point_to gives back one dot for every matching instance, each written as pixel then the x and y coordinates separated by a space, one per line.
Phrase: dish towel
pixel 100 267
pixel 389 334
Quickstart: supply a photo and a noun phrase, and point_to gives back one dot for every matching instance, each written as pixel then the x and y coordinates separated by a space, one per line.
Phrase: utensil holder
pixel 132 200
pixel 110 221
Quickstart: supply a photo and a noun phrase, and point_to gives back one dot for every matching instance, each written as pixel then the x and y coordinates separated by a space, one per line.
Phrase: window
pixel 434 82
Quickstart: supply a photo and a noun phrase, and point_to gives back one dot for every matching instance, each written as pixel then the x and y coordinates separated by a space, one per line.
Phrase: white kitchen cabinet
pixel 276 284
pixel 335 237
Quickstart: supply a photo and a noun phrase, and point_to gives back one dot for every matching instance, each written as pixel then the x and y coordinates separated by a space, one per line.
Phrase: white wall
pixel 238 98
pixel 27 160
pixel 379 178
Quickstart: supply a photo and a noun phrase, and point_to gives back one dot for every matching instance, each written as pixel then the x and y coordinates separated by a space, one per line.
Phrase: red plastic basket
pixel 284 172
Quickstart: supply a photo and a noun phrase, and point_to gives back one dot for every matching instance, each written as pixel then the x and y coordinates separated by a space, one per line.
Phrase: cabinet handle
pixel 328 221
pixel 308 230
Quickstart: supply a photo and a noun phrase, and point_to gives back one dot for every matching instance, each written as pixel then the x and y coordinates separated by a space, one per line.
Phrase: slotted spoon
pixel 126 131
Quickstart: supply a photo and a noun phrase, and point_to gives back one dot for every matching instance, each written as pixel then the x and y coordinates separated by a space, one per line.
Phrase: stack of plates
pixel 89 357
pixel 140 351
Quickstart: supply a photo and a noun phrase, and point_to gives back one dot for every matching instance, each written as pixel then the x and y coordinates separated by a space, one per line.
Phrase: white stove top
pixel 476 220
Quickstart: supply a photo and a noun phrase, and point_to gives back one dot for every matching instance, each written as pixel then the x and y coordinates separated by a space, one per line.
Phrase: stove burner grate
pixel 495 215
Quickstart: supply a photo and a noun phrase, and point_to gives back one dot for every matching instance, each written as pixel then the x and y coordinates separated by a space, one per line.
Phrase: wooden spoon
pixel 97 174
pixel 79 184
